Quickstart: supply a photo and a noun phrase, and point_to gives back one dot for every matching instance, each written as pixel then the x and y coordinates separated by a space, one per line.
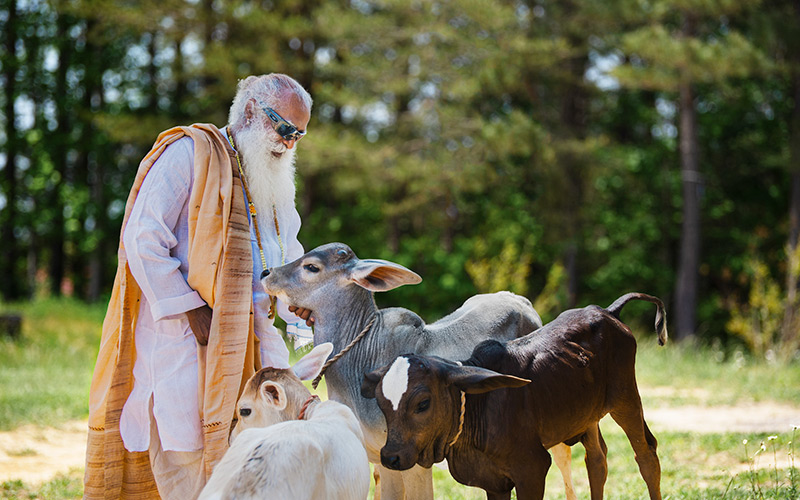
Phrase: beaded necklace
pixel 254 218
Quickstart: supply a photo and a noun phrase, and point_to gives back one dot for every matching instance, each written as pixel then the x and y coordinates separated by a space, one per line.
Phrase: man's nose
pixel 289 143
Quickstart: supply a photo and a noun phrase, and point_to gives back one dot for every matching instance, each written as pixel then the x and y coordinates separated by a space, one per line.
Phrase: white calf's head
pixel 274 395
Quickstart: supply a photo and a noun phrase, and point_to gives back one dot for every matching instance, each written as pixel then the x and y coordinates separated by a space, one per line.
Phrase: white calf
pixel 289 445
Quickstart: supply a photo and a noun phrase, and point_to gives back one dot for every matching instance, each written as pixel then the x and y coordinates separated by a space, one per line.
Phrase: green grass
pixel 62 487
pixel 45 376
pixel 703 375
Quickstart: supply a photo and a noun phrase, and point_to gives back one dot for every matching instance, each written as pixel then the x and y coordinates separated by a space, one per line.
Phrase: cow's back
pixel 500 316
pixel 571 355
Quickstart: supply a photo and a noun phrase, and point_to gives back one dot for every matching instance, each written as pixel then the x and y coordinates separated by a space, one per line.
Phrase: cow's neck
pixel 469 458
pixel 473 430
pixel 340 322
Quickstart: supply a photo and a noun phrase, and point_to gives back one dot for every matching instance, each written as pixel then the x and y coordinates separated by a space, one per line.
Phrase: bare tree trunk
pixel 686 288
pixel 10 287
pixel 178 74
pixel 791 318
pixel 59 157
pixel 574 118
pixel 91 164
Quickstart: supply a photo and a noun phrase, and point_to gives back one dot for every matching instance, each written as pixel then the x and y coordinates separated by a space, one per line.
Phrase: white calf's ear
pixel 274 394
pixel 378 275
pixel 309 366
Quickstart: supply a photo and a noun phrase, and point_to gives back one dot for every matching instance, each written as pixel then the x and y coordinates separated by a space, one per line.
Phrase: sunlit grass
pixel 708 376
pixel 45 375
pixel 62 487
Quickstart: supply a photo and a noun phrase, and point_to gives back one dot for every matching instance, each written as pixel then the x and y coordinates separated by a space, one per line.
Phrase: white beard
pixel 270 180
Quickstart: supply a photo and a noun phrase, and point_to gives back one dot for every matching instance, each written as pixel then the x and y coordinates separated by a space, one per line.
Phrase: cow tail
pixel 661 317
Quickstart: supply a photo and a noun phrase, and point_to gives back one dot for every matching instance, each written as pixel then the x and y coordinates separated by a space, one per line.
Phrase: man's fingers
pixel 302 313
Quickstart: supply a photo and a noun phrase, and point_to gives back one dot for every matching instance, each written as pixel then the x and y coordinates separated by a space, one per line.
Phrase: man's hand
pixel 200 322
pixel 302 313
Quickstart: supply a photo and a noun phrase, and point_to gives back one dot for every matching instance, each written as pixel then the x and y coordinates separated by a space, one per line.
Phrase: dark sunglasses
pixel 283 127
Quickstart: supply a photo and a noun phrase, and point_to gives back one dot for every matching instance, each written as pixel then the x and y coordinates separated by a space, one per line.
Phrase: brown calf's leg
pixel 530 478
pixel 631 419
pixel 498 496
pixel 596 465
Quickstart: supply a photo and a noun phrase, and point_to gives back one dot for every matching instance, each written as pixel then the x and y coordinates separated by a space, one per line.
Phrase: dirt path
pixel 35 455
pixel 761 417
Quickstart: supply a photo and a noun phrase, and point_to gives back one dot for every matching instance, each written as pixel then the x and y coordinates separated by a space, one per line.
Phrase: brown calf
pixel 495 436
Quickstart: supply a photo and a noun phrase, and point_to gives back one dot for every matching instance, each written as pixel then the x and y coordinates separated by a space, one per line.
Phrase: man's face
pixel 268 158
pixel 292 110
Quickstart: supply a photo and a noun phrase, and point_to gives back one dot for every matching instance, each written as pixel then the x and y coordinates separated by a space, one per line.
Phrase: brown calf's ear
pixel 476 380
pixel 274 394
pixel 370 382
pixel 378 275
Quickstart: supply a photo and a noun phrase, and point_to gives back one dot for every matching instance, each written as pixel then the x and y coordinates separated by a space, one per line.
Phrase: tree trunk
pixel 178 74
pixel 90 164
pixel 9 255
pixel 790 333
pixel 686 287
pixel 59 156
pixel 573 116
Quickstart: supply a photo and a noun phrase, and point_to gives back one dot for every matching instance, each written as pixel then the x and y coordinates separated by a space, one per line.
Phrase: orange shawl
pixel 221 270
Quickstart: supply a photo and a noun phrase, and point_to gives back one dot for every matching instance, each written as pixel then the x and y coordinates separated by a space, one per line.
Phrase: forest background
pixel 570 151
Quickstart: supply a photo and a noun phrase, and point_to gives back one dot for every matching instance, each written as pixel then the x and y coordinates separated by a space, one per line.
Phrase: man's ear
pixel 378 275
pixel 309 366
pixel 249 110
pixel 476 380
pixel 370 382
pixel 274 394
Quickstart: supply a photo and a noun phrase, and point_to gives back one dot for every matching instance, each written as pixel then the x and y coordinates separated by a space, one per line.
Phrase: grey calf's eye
pixel 311 268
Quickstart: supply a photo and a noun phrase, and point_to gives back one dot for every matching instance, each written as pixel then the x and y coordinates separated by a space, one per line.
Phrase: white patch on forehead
pixel 395 382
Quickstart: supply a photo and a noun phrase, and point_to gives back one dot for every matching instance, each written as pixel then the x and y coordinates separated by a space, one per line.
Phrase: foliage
pixel 758 322
pixel 507 270
pixel 481 148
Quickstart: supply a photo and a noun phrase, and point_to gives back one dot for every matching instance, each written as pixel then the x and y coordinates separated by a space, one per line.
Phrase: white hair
pixel 268 90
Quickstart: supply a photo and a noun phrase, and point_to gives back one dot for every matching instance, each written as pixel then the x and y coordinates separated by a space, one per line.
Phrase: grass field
pixel 45 375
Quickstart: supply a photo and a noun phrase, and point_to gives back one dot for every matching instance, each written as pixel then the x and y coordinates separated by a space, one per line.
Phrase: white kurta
pixel 156 243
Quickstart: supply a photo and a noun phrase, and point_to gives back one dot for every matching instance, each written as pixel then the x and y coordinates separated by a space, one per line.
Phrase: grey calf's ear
pixel 476 380
pixel 370 382
pixel 378 275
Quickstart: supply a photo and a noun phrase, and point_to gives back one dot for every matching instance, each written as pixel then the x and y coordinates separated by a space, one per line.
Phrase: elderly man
pixel 188 321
